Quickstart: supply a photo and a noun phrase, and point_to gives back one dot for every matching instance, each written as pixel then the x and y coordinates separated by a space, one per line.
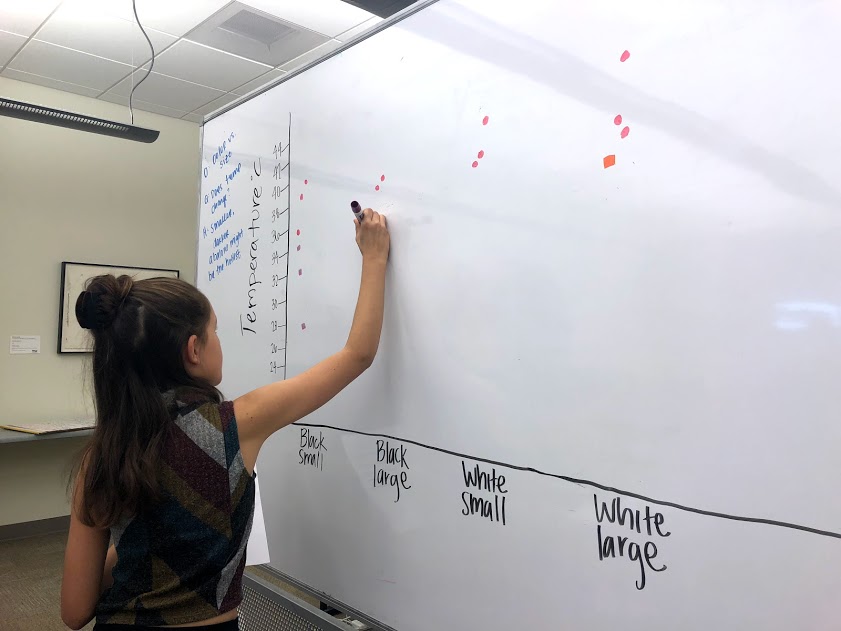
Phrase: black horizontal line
pixel 590 483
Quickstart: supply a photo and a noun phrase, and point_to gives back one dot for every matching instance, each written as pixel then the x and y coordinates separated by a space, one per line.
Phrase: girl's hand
pixel 372 235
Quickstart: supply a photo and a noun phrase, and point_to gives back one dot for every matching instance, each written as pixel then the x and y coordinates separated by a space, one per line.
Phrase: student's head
pixel 149 336
pixel 161 331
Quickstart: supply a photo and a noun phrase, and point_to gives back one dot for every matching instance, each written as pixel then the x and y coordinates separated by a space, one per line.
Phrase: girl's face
pixel 203 359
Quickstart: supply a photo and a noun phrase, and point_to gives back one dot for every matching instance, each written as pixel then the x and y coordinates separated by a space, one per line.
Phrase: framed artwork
pixel 74 276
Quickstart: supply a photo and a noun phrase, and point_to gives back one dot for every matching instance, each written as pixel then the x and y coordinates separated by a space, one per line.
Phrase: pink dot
pixel 302 197
pixel 475 164
pixel 618 119
pixel 298 232
pixel 625 132
pixel 382 178
pixel 303 326
pixel 299 248
pixel 625 56
pixel 377 187
pixel 481 155
pixel 485 120
pixel 306 181
pixel 300 272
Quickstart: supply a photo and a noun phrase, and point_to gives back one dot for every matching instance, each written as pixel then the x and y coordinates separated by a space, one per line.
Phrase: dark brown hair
pixel 140 329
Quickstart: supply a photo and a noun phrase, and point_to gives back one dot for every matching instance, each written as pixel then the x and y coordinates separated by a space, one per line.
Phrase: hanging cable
pixel 151 65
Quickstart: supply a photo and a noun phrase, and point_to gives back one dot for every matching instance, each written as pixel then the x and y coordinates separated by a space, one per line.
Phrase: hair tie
pixel 93 315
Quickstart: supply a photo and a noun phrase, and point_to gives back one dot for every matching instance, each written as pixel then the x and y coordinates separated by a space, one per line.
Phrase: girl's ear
pixel 191 351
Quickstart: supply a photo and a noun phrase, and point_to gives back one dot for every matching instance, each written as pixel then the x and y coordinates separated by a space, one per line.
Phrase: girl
pixel 168 474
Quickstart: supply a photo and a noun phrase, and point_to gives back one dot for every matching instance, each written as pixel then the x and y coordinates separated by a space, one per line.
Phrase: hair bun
pixel 99 305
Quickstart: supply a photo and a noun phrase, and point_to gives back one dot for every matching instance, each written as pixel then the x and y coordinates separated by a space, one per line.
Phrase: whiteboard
pixel 606 392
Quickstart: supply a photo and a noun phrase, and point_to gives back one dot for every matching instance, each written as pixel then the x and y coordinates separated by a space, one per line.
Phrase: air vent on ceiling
pixel 254 26
pixel 252 34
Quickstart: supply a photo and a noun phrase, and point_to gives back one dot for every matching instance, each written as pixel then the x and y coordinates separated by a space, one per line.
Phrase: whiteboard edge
pixel 198 208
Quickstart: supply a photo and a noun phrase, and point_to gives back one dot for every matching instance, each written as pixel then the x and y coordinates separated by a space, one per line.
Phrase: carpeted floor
pixel 30 584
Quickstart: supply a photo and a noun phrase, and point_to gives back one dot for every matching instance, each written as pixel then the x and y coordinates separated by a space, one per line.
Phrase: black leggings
pixel 230 625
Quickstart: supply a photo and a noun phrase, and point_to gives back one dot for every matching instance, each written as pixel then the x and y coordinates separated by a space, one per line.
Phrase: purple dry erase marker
pixel 357 210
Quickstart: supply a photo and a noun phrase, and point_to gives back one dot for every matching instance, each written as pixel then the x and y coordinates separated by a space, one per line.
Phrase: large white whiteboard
pixel 668 327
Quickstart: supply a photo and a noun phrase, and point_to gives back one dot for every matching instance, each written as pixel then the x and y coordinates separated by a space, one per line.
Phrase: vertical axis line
pixel 288 243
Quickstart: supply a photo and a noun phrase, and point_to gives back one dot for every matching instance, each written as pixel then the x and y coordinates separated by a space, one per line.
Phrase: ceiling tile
pixel 167 91
pixel 328 17
pixel 64 64
pixel 94 32
pixel 142 105
pixel 259 82
pixel 25 16
pixel 215 105
pixel 193 118
pixel 246 32
pixel 9 45
pixel 50 83
pixel 174 17
pixel 358 30
pixel 208 66
pixel 315 53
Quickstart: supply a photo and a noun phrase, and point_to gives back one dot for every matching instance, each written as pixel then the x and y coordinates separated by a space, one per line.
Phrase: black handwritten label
pixel 640 550
pixel 249 323
pixel 312 449
pixel 392 468
pixel 485 495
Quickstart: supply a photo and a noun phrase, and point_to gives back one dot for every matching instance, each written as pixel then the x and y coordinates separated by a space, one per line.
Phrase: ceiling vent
pixel 255 35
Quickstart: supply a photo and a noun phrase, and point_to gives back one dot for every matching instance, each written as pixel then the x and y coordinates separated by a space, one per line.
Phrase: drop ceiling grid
pixel 182 84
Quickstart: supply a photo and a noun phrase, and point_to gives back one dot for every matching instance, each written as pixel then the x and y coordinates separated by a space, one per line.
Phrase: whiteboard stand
pixel 266 608
pixel 327 599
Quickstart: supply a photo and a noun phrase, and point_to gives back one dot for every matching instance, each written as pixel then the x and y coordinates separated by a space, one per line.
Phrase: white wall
pixel 67 195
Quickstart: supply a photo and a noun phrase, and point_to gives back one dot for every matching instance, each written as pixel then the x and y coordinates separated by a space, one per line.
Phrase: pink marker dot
pixel 625 56
pixel 382 178
pixel 298 232
pixel 302 197
pixel 303 326
pixel 299 248
pixel 475 164
pixel 618 119
pixel 481 155
pixel 485 120
pixel 625 132
pixel 377 187
pixel 306 181
pixel 300 272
